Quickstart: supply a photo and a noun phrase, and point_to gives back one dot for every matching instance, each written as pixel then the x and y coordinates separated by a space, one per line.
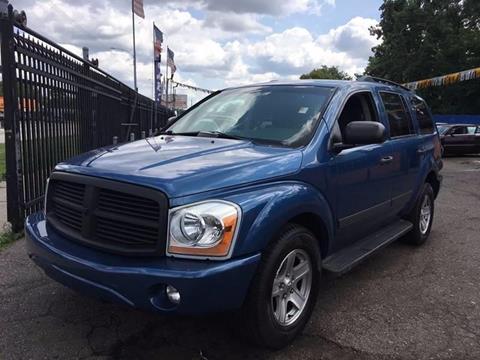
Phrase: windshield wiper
pixel 222 135
pixel 170 132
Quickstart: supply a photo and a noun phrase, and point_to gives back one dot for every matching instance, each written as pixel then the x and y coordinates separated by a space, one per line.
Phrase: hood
pixel 183 165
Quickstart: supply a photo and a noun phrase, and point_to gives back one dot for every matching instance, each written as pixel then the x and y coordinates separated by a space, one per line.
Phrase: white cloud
pixel 271 7
pixel 353 38
pixel 237 23
pixel 295 50
pixel 214 49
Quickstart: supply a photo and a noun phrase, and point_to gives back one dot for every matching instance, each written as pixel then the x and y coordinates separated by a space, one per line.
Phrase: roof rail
pixel 382 81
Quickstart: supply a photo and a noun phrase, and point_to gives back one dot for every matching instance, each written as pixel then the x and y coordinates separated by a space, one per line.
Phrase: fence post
pixel 15 213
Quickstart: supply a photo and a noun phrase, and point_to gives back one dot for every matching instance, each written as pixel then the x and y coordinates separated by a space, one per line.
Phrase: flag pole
pixel 134 51
pixel 166 82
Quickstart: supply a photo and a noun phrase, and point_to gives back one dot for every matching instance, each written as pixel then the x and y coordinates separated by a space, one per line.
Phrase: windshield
pixel 442 129
pixel 284 115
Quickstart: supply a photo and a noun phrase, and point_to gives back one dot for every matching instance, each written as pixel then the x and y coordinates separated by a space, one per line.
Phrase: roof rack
pixel 382 81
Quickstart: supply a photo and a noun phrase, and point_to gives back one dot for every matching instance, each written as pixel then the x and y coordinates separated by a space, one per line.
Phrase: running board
pixel 344 260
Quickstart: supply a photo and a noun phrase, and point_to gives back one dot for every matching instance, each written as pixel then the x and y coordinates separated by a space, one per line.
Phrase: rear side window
pixel 471 130
pixel 424 119
pixel 398 118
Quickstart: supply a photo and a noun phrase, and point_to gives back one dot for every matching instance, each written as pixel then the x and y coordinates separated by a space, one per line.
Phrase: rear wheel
pixel 283 292
pixel 422 217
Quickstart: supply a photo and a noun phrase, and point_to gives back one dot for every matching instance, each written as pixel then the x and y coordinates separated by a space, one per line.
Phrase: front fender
pixel 268 207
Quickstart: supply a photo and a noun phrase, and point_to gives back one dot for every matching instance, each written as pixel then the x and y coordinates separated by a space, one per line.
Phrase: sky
pixel 217 43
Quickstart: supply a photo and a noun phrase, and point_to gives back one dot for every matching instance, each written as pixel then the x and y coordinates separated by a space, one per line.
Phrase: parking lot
pixel 404 303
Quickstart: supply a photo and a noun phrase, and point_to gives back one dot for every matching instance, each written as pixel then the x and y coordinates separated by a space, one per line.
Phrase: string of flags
pixel 445 79
pixel 192 87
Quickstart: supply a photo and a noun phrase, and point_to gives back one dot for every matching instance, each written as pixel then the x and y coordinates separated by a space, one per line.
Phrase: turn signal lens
pixel 203 229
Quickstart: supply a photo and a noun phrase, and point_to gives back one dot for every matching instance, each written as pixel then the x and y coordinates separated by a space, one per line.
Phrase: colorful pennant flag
pixel 445 80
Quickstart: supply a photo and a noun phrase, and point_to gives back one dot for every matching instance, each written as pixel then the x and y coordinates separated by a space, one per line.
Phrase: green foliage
pixel 326 72
pixel 424 39
pixel 7 237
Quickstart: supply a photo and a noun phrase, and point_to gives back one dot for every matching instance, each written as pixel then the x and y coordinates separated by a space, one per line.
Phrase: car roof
pixel 450 125
pixel 329 83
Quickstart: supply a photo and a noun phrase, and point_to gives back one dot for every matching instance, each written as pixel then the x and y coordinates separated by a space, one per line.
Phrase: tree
pixel 424 39
pixel 326 72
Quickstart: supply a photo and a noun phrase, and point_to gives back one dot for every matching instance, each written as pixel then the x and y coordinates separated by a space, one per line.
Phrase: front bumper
pixel 204 286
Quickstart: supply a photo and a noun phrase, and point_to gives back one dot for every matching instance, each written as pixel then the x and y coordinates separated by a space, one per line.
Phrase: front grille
pixel 108 215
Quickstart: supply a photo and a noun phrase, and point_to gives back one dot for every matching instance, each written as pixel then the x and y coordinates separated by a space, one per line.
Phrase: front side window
pixel 442 129
pixel 359 107
pixel 276 114
pixel 424 119
pixel 459 130
pixel 398 118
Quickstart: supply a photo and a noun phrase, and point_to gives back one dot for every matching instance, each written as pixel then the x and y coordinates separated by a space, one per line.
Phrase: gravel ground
pixel 403 303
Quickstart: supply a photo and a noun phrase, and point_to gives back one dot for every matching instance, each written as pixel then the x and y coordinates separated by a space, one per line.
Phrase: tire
pixel 421 226
pixel 264 321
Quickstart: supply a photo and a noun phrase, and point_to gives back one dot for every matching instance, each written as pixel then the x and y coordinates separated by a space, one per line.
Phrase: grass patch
pixel 7 237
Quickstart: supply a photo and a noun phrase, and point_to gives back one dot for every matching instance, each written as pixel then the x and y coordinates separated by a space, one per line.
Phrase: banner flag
pixel 157 59
pixel 171 60
pixel 138 8
pixel 157 43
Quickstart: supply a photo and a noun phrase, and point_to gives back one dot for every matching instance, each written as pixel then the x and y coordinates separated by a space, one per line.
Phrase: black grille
pixel 109 215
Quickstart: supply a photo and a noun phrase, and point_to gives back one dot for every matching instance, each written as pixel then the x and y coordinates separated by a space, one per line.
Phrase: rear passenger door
pixel 461 139
pixel 473 140
pixel 406 146
pixel 477 140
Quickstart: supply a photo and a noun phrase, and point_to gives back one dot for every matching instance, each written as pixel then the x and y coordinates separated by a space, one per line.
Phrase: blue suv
pixel 244 201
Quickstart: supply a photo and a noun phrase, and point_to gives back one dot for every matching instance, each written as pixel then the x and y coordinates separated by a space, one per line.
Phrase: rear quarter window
pixel 425 121
pixel 398 118
pixel 471 130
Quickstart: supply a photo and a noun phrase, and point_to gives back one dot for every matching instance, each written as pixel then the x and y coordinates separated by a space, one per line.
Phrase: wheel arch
pixel 316 225
pixel 432 179
pixel 267 211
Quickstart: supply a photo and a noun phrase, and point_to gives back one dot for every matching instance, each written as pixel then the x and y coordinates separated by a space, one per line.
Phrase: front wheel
pixel 283 292
pixel 422 217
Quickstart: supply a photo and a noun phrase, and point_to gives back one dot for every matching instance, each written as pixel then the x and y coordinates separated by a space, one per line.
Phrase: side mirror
pixel 364 133
pixel 361 133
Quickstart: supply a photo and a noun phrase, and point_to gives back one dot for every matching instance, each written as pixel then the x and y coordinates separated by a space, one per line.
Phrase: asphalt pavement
pixel 403 303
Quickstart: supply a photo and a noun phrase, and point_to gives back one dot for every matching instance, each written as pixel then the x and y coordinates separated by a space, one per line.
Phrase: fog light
pixel 173 295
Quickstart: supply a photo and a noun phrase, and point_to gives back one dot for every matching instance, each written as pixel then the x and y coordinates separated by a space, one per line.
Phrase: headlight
pixel 203 229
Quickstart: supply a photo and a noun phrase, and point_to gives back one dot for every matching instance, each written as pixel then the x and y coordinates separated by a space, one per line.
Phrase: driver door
pixel 362 176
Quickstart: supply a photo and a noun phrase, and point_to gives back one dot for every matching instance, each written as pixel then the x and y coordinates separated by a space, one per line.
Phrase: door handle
pixel 386 160
pixel 421 151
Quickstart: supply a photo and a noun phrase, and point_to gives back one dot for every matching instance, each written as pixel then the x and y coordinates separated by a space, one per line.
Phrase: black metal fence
pixel 56 106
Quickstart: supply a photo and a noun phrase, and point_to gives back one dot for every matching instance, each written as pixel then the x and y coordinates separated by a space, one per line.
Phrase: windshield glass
pixel 442 129
pixel 284 115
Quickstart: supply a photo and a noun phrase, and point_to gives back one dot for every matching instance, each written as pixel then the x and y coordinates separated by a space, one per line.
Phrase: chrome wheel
pixel 291 287
pixel 425 214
